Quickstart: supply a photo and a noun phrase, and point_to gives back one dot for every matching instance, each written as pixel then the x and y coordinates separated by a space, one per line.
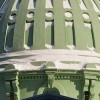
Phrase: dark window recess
pixel 86 95
pixel 12 91
pixel 99 96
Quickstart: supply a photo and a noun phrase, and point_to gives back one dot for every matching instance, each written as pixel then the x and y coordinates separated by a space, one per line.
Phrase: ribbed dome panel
pixel 49 24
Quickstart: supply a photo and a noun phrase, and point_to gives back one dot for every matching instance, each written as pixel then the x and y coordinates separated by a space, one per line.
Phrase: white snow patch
pixel 86 16
pixel 30 15
pixel 27 26
pixel 97 67
pixel 49 14
pixel 68 23
pixel 26 47
pixel 95 6
pixel 66 4
pixel 32 4
pixel 68 14
pixel 28 66
pixel 91 48
pixel 2 69
pixel 48 24
pixel 24 66
pixel 82 5
pixel 88 25
pixel 16 5
pixel 99 17
pixel 71 47
pixel 48 46
pixel 49 4
pixel 60 65
pixel 55 56
pixel 52 52
pixel 12 17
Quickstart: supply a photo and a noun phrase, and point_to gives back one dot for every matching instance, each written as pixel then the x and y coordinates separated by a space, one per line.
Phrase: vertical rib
pixel 78 26
pixel 4 26
pixel 18 43
pixel 59 25
pixel 95 24
pixel 39 25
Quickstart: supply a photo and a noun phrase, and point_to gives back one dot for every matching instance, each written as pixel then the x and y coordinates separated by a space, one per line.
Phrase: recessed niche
pixel 86 16
pixel 68 14
pixel 99 17
pixel 12 16
pixel 30 14
pixel 0 17
pixel 49 14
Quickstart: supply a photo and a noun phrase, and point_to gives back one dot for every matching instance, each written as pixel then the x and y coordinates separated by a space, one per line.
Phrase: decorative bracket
pixel 50 80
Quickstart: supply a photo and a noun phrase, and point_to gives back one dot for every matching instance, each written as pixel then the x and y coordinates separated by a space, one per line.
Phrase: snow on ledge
pixel 52 55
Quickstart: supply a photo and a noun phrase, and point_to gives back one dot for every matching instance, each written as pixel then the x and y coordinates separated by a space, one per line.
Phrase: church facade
pixel 49 46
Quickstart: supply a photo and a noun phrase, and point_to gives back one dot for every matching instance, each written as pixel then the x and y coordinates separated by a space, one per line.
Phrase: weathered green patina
pixel 50 46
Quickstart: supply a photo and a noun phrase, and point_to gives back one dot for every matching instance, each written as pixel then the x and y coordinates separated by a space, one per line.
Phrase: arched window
pixel 51 90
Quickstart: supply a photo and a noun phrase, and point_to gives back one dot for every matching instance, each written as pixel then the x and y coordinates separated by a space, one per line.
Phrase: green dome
pixel 50 46
pixel 49 24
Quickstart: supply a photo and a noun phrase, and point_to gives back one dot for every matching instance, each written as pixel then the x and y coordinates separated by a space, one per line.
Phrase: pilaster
pixel 11 82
